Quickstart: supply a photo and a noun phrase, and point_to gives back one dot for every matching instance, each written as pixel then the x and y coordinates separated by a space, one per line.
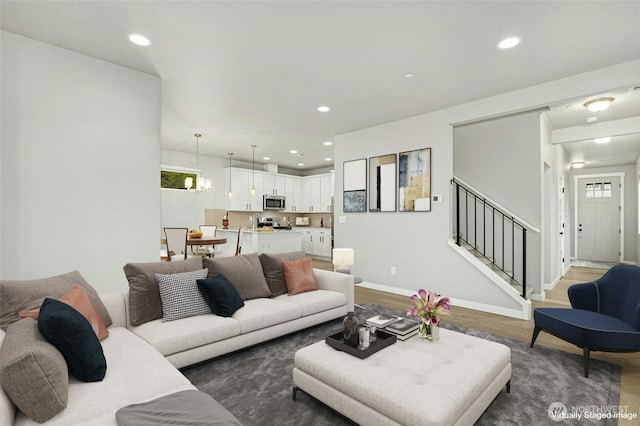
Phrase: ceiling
pixel 243 73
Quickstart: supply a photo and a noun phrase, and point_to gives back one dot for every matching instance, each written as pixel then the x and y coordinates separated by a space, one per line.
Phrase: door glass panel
pixel 597 190
pixel 606 190
pixel 589 191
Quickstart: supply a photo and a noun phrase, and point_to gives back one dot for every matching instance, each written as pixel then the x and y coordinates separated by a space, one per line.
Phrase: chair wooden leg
pixel 536 331
pixel 585 352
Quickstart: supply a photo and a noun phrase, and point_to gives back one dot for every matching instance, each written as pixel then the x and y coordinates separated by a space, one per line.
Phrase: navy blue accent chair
pixel 605 314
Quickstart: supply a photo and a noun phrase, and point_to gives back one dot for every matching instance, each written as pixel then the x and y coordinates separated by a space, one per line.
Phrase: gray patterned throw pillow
pixel 180 295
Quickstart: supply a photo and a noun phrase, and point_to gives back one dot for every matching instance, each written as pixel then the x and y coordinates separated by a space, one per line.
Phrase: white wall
pixel 80 164
pixel 501 158
pixel 416 243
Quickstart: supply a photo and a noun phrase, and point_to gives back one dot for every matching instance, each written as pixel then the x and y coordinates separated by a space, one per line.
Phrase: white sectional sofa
pixel 142 360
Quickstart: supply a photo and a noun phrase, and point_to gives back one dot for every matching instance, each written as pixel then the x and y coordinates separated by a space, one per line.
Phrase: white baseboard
pixel 525 314
pixel 538 297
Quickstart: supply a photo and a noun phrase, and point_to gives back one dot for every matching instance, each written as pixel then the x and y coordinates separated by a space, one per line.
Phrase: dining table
pixel 199 241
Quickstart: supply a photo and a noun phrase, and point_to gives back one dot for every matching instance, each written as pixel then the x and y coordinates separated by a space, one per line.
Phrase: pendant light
pixel 230 194
pixel 253 170
pixel 202 184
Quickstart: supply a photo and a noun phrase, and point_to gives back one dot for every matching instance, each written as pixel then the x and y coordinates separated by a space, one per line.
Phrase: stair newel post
pixel 524 262
pixel 457 212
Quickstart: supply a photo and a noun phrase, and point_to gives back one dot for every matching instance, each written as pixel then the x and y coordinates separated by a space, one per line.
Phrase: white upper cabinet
pixel 241 181
pixel 274 184
pixel 292 194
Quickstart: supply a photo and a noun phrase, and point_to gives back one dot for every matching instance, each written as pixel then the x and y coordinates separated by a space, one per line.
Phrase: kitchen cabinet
pixel 317 242
pixel 273 184
pixel 292 194
pixel 321 243
pixel 316 193
pixel 240 181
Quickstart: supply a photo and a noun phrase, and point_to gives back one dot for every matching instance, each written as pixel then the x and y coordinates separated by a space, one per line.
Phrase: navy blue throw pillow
pixel 70 332
pixel 221 296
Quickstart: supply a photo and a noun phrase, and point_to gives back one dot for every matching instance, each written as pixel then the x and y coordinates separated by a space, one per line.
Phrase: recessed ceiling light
pixel 592 119
pixel 508 43
pixel 328 159
pixel 293 151
pixel 324 108
pixel 139 39
pixel 266 158
pixel 300 164
pixel 603 140
pixel 409 75
pixel 598 105
pixel 577 164
pixel 327 143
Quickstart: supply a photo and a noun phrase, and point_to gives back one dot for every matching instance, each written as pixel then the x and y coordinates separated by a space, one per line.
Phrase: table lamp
pixel 343 258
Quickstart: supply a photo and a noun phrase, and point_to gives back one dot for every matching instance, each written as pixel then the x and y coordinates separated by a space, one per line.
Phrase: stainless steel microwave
pixel 273 202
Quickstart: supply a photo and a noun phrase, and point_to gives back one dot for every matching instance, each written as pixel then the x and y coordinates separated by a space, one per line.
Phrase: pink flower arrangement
pixel 428 305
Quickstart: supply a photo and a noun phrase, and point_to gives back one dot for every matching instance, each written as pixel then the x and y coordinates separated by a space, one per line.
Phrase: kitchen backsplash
pixel 238 219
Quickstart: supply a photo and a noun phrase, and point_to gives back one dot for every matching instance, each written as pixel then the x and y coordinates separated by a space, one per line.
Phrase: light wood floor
pixel 522 330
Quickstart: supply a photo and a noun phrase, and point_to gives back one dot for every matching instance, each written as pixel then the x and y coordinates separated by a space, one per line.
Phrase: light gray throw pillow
pixel 180 295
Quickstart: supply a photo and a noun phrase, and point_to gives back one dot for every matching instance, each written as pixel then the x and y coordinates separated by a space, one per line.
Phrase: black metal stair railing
pixel 492 234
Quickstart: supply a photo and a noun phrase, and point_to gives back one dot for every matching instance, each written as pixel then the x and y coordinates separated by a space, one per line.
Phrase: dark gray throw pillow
pixel 144 295
pixel 244 272
pixel 221 296
pixel 70 332
pixel 274 272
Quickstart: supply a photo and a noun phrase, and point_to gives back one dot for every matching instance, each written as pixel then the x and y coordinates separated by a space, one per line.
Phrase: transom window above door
pixel 598 190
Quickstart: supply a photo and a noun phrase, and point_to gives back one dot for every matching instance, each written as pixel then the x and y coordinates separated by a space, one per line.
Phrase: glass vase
pixel 429 332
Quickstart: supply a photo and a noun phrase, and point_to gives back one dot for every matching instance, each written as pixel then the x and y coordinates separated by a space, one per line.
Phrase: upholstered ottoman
pixel 412 382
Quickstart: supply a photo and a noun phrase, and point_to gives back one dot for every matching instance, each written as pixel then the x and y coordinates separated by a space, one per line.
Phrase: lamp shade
pixel 343 256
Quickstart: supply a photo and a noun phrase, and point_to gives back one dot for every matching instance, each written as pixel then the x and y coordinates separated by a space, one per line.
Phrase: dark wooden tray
pixel 385 339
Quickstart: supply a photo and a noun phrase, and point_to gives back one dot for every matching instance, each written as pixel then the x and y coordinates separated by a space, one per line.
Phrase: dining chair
pixel 176 239
pixel 207 231
pixel 238 250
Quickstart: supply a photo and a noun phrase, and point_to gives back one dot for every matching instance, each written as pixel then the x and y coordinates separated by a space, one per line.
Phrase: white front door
pixel 599 219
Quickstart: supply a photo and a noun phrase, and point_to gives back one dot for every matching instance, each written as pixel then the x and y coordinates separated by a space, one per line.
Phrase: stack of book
pixel 402 328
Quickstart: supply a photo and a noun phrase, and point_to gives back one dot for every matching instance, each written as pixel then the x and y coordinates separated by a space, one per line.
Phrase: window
pixel 174 177
pixel 598 190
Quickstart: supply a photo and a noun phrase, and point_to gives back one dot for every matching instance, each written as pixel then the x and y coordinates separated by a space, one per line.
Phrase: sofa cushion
pixel 16 296
pixel 173 337
pixel 70 332
pixel 221 296
pixel 144 295
pixel 273 271
pixel 313 302
pixel 244 272
pixel 190 407
pixel 78 299
pixel 33 372
pixel 262 313
pixel 180 295
pixel 299 276
pixel 147 375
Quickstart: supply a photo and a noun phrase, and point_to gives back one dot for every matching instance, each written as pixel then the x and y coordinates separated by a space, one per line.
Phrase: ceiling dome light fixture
pixel 577 164
pixel 598 105
pixel 327 143
pixel 324 108
pixel 293 151
pixel 266 158
pixel 139 39
pixel 409 75
pixel 509 42
pixel 328 159
pixel 603 140
pixel 300 164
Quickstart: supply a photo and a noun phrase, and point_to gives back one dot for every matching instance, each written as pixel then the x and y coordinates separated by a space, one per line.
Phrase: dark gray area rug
pixel 255 384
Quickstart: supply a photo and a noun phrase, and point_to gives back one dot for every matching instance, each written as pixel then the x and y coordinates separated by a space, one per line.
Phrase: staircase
pixel 492 236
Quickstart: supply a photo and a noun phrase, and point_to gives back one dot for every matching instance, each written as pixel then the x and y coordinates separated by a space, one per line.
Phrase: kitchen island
pixel 276 241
